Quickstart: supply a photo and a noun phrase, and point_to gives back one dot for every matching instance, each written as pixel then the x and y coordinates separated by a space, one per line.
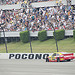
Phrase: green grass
pixel 66 45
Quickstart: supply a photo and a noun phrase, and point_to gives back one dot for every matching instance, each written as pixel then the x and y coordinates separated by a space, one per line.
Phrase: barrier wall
pixel 25 55
pixel 33 34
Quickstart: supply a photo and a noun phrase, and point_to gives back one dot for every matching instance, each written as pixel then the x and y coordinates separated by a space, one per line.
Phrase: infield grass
pixel 48 46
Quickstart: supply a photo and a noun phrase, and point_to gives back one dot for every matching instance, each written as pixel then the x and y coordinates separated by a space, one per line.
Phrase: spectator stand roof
pixel 47 4
pixel 9 7
pixel 72 2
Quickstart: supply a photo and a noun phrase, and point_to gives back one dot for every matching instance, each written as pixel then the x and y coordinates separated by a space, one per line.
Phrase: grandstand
pixel 17 18
pixel 40 18
pixel 36 15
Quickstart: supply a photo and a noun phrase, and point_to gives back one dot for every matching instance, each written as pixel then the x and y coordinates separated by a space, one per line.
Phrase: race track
pixel 36 67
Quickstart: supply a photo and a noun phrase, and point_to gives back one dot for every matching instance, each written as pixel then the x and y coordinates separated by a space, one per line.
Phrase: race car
pixel 60 56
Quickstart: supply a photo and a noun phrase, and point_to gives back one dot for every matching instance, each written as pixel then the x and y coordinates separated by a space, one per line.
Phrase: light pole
pixel 4 36
pixel 30 42
pixel 55 37
pixel 29 37
pixel 29 32
pixel 26 7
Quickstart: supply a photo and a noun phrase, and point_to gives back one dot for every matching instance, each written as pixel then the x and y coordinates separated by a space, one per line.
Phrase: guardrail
pixel 33 34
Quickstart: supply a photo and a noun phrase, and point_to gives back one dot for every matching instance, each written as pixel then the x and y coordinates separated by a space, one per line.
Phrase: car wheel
pixel 58 59
pixel 47 60
pixel 68 60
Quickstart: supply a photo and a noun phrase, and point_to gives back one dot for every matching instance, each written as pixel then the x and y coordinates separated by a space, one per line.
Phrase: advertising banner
pixel 24 55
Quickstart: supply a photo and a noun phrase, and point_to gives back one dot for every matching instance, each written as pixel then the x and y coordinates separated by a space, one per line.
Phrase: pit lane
pixel 36 67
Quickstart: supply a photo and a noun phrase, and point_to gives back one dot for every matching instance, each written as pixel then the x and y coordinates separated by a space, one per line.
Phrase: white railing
pixel 33 34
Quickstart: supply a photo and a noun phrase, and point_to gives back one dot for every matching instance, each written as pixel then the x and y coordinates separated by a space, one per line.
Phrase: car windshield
pixel 57 55
pixel 54 54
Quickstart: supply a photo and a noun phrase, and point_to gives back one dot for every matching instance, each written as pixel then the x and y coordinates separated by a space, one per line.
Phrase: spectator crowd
pixel 37 19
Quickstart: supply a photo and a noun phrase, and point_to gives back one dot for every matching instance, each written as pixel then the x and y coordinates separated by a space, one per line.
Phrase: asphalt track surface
pixel 36 67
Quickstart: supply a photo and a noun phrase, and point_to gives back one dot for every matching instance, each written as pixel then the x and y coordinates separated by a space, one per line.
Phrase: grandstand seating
pixel 37 19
